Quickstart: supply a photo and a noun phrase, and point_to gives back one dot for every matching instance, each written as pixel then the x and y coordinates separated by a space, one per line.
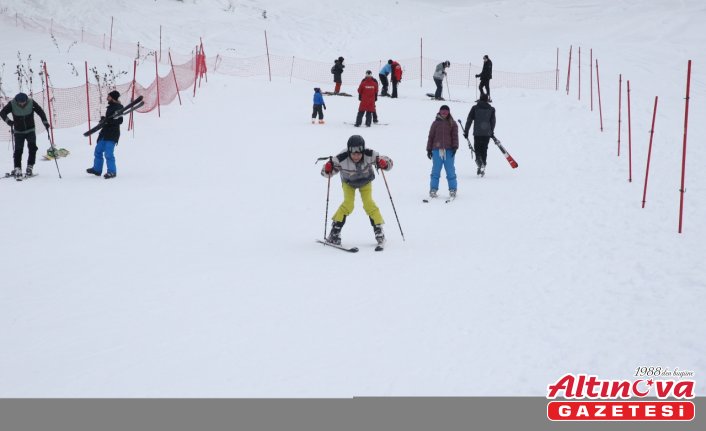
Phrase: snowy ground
pixel 195 272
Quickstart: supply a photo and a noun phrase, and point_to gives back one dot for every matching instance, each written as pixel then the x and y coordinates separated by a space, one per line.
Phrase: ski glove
pixel 324 106
pixel 382 164
pixel 429 154
pixel 477 76
pixel 328 167
pixel 465 135
pixel 9 122
pixel 46 124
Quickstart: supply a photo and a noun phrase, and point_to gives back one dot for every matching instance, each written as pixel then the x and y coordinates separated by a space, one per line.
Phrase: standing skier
pixel 337 71
pixel 442 144
pixel 356 164
pixel 439 75
pixel 483 117
pixel 23 109
pixel 384 72
pixel 396 78
pixel 318 104
pixel 485 76
pixel 108 139
pixel 368 95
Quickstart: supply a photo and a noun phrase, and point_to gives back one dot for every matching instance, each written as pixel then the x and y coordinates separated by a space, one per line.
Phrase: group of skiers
pixel 356 163
pixel 22 128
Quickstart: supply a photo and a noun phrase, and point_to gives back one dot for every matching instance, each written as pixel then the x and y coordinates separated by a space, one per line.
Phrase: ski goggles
pixel 357 149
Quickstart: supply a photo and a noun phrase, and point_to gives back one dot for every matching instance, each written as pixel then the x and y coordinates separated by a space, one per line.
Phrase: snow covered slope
pixel 195 272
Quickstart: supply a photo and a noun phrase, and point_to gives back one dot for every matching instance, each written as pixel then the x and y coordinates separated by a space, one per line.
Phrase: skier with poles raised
pixel 23 109
pixel 355 165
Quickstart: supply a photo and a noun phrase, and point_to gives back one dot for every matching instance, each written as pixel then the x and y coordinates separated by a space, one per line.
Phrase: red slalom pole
pixel 682 190
pixel 598 83
pixel 629 138
pixel 590 64
pixel 579 73
pixel 649 153
pixel 620 107
pixel 88 103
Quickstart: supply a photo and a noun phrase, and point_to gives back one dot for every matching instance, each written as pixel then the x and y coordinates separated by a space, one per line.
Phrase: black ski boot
pixel 334 237
pixel 379 234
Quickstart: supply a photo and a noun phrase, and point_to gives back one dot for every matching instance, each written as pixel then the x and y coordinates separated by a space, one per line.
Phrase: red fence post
pixel 568 70
pixel 174 74
pixel 682 190
pixel 88 104
pixel 156 74
pixel 51 122
pixel 267 49
pixel 598 83
pixel 629 138
pixel 204 69
pixel 620 101
pixel 421 60
pixel 131 123
pixel 649 153
pixel 160 42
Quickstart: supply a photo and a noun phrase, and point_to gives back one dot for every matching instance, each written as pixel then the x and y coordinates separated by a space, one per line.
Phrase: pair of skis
pixel 20 178
pixel 135 104
pixel 502 149
pixel 447 200
pixel 379 247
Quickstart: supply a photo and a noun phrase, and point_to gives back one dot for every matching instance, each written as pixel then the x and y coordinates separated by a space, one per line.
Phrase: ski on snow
pixel 447 200
pixel 340 247
pixel 374 124
pixel 23 177
pixel 507 155
pixel 135 104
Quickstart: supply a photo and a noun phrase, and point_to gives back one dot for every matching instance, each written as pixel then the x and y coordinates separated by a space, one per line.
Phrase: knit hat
pixel 21 98
pixel 444 108
pixel 483 97
pixel 317 89
pixel 115 95
pixel 368 73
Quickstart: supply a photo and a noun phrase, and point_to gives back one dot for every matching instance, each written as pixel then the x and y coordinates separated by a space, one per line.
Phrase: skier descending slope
pixel 356 164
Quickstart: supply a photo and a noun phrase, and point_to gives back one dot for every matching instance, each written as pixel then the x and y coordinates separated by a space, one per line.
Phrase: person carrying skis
pixel 337 71
pixel 386 70
pixel 108 139
pixel 482 116
pixel 485 76
pixel 439 75
pixel 442 145
pixel 368 95
pixel 396 78
pixel 318 104
pixel 23 109
pixel 356 164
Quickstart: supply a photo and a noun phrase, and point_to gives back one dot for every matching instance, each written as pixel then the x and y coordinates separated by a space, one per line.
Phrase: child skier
pixel 318 104
pixel 356 164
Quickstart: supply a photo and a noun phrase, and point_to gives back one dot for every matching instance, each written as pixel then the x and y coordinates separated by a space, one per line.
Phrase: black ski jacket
pixel 111 130
pixel 487 73
pixel 482 116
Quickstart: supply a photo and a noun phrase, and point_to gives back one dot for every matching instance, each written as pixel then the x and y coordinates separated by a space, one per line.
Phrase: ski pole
pixel 473 153
pixel 56 155
pixel 382 171
pixel 328 191
pixel 12 134
pixel 476 88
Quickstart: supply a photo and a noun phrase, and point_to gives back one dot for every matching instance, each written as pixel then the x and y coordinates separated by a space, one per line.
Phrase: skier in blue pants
pixel 442 145
pixel 108 139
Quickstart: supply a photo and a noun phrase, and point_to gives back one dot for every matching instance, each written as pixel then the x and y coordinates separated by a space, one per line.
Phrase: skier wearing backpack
pixel 355 165
pixel 23 109
pixel 396 78
pixel 482 116
pixel 442 144
pixel 337 71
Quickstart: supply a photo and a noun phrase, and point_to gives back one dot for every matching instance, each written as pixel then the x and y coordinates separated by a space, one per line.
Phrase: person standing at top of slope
pixel 396 78
pixel 23 109
pixel 482 116
pixel 367 94
pixel 337 71
pixel 356 164
pixel 318 104
pixel 485 76
pixel 384 72
pixel 108 139
pixel 442 145
pixel 439 75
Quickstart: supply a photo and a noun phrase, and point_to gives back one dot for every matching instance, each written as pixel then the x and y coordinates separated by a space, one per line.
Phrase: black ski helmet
pixel 356 144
